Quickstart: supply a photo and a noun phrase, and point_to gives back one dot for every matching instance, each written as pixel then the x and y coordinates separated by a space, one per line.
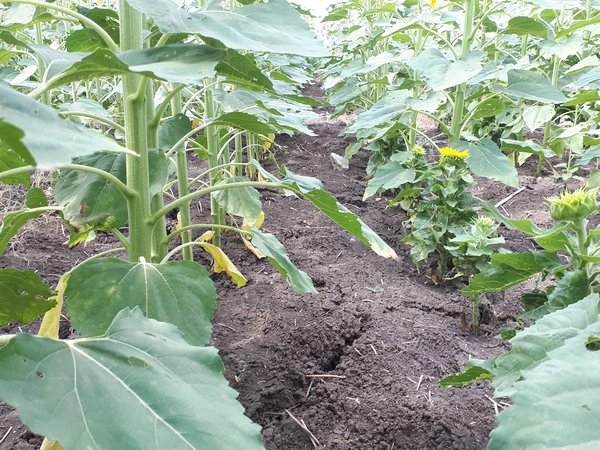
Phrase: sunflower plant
pixel 552 365
pixel 570 255
pixel 435 196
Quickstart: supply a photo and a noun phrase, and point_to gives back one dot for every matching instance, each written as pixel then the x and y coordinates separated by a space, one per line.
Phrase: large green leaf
pixel 441 73
pixel 589 77
pixel 173 129
pixel 176 63
pixel 275 251
pixel 277 111
pixel 561 47
pixel 275 26
pixel 526 146
pixel 35 203
pixel 324 201
pixel 536 116
pixel 532 86
pixel 178 292
pixel 9 159
pixel 241 201
pixel 137 386
pixel 41 137
pixel 389 176
pixel 91 201
pixel 242 71
pixel 531 346
pixel 23 296
pixel 245 121
pixel 509 269
pixel 486 160
pixel 385 110
pixel 555 406
pixel 571 288
pixel 523 26
pixel 107 19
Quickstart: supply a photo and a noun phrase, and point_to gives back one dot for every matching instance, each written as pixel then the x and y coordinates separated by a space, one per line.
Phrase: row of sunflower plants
pixel 498 77
pixel 550 371
pixel 158 79
pixel 486 72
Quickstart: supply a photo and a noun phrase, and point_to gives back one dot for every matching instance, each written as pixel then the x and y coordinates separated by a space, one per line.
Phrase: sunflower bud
pixel 486 226
pixel 573 205
pixel 418 150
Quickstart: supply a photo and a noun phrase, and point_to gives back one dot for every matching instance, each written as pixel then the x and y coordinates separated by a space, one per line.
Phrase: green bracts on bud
pixel 572 206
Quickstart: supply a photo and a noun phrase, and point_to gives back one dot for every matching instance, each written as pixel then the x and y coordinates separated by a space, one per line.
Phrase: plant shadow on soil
pixel 358 364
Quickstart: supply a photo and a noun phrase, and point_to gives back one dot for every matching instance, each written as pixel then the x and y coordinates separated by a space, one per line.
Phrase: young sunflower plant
pixel 551 370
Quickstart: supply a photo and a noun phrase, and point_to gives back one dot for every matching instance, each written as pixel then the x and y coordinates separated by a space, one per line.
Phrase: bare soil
pixel 358 364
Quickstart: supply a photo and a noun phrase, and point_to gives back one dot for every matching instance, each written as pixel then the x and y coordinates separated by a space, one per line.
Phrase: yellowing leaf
pixel 224 264
pixel 432 3
pixel 268 141
pixel 248 226
pixel 206 236
pixel 252 248
pixel 195 123
pixel 50 445
pixel 51 321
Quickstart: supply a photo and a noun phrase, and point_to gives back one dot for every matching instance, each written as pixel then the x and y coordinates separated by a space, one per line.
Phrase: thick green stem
pixel 136 139
pixel 39 39
pixel 239 154
pixel 548 126
pixel 457 113
pixel 580 228
pixel 212 148
pixel 418 45
pixel 251 153
pixel 459 103
pixel 159 231
pixel 183 186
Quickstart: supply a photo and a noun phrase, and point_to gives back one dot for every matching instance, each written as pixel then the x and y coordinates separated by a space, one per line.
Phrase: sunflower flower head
pixel 451 155
pixel 573 205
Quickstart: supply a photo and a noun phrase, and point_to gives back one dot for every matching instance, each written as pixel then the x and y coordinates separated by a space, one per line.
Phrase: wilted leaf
pixel 241 201
pixel 275 251
pixel 223 264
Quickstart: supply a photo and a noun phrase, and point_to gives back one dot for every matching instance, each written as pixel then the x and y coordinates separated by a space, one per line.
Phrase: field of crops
pixel 239 225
